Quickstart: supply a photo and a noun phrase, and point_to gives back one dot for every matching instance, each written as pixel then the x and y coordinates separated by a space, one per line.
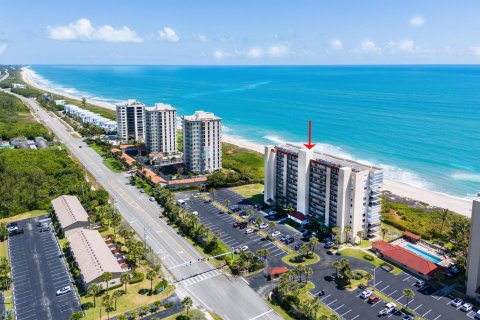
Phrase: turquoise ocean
pixel 421 123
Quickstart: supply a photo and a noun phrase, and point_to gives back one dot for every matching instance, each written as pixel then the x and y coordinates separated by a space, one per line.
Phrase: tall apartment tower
pixel 473 261
pixel 333 191
pixel 131 120
pixel 160 128
pixel 202 146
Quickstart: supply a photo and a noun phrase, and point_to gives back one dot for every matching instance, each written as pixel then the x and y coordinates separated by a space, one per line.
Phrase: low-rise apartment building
pixel 335 192
pixel 70 214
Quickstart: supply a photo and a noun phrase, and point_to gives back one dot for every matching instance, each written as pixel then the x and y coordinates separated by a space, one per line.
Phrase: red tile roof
pixel 410 235
pixel 155 178
pixel 277 270
pixel 407 258
pixel 298 215
pixel 189 180
pixel 128 160
pixel 126 146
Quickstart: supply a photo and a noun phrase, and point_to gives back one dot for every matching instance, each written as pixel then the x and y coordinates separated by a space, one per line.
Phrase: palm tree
pixel 368 277
pixel 122 317
pixel 125 279
pixel 106 276
pixel 263 253
pixel 336 265
pixel 107 302
pixel 93 290
pixel 115 295
pixel 443 218
pixel 384 233
pixel 308 272
pixel 344 262
pixel 312 243
pixel 360 235
pixel 347 231
pixel 226 202
pixel 249 213
pixel 299 270
pixel 151 275
pixel 258 221
pixel 271 225
pixel 336 231
pixel 315 306
pixel 187 303
pixel 408 294
pixel 212 192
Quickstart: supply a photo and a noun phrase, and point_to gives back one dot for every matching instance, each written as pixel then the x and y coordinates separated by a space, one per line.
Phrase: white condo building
pixel 131 120
pixel 473 261
pixel 202 146
pixel 333 191
pixel 160 128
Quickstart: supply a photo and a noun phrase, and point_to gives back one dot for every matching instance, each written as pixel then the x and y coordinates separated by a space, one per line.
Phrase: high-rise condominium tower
pixel 131 120
pixel 160 128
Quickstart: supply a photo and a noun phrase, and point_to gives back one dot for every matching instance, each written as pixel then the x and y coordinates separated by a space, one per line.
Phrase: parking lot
pixel 38 271
pixel 222 223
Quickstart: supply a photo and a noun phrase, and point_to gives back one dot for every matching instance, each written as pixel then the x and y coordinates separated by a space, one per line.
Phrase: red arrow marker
pixel 309 145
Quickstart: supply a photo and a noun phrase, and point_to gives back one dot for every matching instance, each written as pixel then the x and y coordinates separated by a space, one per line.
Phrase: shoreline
pixel 458 205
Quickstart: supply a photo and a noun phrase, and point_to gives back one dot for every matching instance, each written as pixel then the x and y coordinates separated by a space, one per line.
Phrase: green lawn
pixel 240 159
pixel 23 216
pixel 193 314
pixel 253 192
pixel 359 254
pixel 113 164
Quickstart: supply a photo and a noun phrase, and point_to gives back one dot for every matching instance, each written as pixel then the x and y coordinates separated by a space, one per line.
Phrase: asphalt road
pixel 38 271
pixel 230 298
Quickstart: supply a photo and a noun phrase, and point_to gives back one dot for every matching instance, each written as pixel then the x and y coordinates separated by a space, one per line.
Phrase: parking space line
pixel 437 317
pixel 426 313
pixel 325 297
pixel 331 302
pixel 338 307
pixel 355 317
pixel 418 307
pixel 345 313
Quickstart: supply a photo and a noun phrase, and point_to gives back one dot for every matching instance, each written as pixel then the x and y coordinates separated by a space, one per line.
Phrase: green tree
pixel 336 232
pixel 408 294
pixel 116 220
pixel 3 232
pixel 443 218
pixel 263 253
pixel 271 225
pixel 249 213
pixel 307 271
pixel 347 230
pixel 107 302
pixel 125 279
pixel 76 315
pixel 312 243
pixel 336 265
pixel 115 295
pixel 304 250
pixel 122 317
pixel 145 310
pixel 226 202
pixel 133 315
pixel 212 193
pixel 187 303
pixel 93 290
pixel 384 233
pixel 106 277
pixel 258 221
pixel 84 102
pixel 151 275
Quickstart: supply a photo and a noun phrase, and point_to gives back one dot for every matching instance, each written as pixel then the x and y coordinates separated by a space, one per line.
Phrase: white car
pixel 248 231
pixel 12 228
pixel 142 191
pixel 244 248
pixel 456 302
pixel 365 294
pixel 64 290
pixel 420 283
pixel 195 213
pixel 466 307
pixel 389 307
pixel 151 199
pixel 275 233
pixel 264 226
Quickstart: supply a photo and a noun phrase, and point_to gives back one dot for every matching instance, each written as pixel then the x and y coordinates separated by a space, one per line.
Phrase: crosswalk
pixel 199 278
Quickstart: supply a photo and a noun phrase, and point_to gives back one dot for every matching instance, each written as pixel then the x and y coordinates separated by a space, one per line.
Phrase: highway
pixel 230 297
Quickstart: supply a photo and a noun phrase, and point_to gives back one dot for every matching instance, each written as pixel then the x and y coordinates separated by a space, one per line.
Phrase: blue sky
pixel 239 32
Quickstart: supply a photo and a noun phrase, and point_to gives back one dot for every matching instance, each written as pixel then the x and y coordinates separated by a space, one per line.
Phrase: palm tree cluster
pixel 249 262
pixel 5 280
pixel 343 272
pixel 189 224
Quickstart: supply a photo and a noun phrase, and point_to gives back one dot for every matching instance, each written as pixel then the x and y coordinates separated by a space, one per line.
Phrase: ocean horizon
pixel 421 123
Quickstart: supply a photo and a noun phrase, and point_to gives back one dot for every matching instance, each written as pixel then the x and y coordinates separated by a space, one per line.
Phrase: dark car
pixel 235 209
pixel 289 240
pixel 243 225
pixel 297 246
pixel 17 231
pixel 236 224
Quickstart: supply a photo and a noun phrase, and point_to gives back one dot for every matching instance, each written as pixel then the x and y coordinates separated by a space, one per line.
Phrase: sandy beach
pixel 459 205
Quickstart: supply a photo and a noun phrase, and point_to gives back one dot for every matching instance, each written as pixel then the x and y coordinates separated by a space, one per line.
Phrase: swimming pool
pixel 423 254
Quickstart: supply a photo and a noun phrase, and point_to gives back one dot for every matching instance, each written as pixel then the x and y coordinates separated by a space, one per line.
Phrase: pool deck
pixel 446 260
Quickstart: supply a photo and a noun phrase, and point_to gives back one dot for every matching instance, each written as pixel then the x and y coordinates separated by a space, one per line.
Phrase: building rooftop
pixel 202 116
pixel 130 102
pixel 160 107
pixel 328 159
pixel 407 258
pixel 92 254
pixel 69 210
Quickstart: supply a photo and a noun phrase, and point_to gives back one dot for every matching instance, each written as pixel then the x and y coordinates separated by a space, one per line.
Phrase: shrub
pixel 87 305
pixel 368 257
pixel 293 299
pixel 408 311
pixel 168 305
pixel 358 276
pixel 163 283
pixel 182 317
pixel 298 259
pixel 137 277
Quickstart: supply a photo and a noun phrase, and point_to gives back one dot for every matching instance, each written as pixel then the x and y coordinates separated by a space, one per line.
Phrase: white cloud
pixel 476 51
pixel 255 53
pixel 336 44
pixel 83 30
pixel 369 46
pixel 219 54
pixel 168 34
pixel 278 50
pixel 3 47
pixel 404 46
pixel 201 37
pixel 417 21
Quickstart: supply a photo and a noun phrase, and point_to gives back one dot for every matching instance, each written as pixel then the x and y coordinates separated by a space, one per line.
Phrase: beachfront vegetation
pixel 436 224
pixel 32 178
pixel 253 192
pixel 17 121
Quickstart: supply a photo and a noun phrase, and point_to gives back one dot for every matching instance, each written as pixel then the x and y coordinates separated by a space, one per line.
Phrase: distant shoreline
pixel 459 205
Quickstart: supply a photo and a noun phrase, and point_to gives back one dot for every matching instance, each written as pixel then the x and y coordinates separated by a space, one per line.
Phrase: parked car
pixel 297 246
pixel 275 233
pixel 244 248
pixel 289 240
pixel 283 238
pixel 419 283
pixel 366 294
pixel 195 213
pixel 328 245
pixel 408 317
pixel 17 231
pixel 239 249
pixel 248 231
pixel 243 225
pixel 221 212
pixel 12 227
pixel 477 315
pixel 373 299
pixel 142 191
pixel 151 199
pixel 456 302
pixel 264 226
pixel 466 307
pixel 63 290
pixel 236 224
pixel 235 208
pixel 390 307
